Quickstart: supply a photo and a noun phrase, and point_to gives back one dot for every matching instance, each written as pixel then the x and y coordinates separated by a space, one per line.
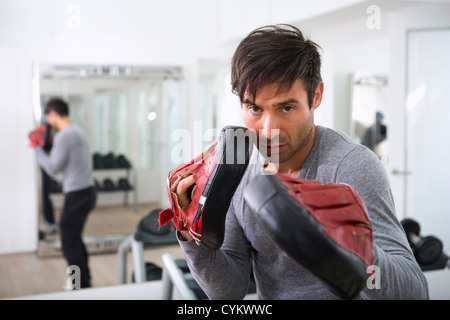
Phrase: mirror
pixel 124 111
pixel 369 125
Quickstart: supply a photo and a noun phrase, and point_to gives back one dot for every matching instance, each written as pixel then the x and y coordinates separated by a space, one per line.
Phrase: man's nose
pixel 270 129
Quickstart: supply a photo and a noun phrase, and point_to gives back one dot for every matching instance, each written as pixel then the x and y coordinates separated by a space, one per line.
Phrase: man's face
pixel 51 118
pixel 284 118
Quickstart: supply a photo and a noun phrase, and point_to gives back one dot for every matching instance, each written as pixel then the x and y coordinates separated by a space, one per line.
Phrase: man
pixel 49 217
pixel 276 73
pixel 375 134
pixel 70 155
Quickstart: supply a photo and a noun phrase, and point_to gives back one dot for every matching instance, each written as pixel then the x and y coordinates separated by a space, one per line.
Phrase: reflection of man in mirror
pixel 375 133
pixel 49 217
pixel 70 155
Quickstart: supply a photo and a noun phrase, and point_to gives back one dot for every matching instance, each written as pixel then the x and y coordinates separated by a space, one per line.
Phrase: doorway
pixel 427 147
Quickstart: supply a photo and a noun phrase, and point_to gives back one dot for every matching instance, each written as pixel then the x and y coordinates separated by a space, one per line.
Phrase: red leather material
pixel 166 215
pixel 340 210
pixel 201 168
pixel 37 136
pixel 217 173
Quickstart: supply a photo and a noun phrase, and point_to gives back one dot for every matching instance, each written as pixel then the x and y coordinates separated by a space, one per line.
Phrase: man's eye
pixel 254 109
pixel 287 109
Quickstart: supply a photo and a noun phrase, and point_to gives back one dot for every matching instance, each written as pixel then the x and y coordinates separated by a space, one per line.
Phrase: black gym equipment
pixel 109 161
pixel 155 272
pixel 108 185
pixel 122 162
pixel 97 185
pixel 149 225
pixel 148 234
pixel 97 159
pixel 176 273
pixel 152 271
pixel 428 250
pixel 124 184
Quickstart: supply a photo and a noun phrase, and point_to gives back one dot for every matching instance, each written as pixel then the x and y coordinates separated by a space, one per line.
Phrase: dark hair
pixel 275 54
pixel 58 105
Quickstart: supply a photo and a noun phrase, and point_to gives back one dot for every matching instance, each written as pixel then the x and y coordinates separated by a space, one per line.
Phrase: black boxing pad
pixel 322 226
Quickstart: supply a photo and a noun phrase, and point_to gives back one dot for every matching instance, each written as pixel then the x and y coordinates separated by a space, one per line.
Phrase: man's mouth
pixel 275 148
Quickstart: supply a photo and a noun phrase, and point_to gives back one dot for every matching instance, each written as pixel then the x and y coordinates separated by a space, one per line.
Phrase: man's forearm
pixel 219 274
pixel 395 277
pixel 44 161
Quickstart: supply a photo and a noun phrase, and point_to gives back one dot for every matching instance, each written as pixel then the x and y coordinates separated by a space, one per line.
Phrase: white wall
pixel 239 17
pixel 176 32
pixel 135 32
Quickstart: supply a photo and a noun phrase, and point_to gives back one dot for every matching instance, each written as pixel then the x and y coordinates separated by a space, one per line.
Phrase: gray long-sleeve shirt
pixel 70 155
pixel 334 158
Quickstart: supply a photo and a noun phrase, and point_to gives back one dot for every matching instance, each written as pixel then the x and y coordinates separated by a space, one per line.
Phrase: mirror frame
pixel 101 243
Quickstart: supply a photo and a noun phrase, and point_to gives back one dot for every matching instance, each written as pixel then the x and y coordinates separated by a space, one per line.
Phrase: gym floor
pixel 44 271
pixel 26 274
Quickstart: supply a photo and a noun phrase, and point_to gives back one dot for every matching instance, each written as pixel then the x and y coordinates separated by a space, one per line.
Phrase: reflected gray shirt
pixel 334 158
pixel 70 155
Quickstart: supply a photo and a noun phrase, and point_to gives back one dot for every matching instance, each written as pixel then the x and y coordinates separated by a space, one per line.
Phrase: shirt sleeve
pixel 399 275
pixel 54 162
pixel 223 273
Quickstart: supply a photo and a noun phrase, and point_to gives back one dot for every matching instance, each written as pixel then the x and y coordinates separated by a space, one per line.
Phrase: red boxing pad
pixel 217 173
pixel 324 227
pixel 37 136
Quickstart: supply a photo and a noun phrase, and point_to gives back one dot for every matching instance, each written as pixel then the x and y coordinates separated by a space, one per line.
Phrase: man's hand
pixel 37 137
pixel 200 191
pixel 185 235
pixel 183 187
